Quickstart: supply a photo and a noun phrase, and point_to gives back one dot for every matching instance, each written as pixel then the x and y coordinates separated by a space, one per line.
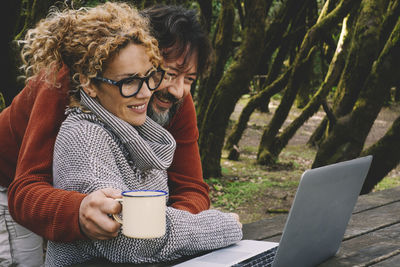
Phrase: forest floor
pixel 256 192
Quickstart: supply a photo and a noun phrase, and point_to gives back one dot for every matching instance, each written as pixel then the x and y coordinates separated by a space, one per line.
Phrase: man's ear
pixel 88 86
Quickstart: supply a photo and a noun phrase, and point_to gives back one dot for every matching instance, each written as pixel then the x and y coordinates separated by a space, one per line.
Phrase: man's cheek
pixel 186 90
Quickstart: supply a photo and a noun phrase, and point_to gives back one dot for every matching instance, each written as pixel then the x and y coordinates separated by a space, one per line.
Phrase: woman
pixel 107 140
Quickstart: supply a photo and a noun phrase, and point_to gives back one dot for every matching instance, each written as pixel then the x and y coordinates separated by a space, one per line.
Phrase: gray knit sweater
pixel 96 150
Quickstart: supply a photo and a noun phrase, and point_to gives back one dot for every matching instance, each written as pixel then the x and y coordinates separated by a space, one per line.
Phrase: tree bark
pixel 297 75
pixel 272 86
pixel 254 102
pixel 206 13
pixel 363 51
pixel 230 88
pixel 240 12
pixel 386 156
pixel 306 89
pixel 223 48
pixel 312 107
pixel 348 135
pixel 276 31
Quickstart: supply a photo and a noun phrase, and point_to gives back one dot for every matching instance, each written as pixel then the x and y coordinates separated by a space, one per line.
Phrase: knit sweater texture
pixel 96 150
pixel 28 129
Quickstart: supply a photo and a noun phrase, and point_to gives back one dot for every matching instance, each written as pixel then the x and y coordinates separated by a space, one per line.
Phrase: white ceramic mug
pixel 143 213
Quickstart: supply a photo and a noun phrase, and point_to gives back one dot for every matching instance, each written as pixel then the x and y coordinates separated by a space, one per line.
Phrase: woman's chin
pixel 137 121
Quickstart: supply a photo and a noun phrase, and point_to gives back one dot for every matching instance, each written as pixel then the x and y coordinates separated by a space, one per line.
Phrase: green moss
pixel 388 182
pixel 229 194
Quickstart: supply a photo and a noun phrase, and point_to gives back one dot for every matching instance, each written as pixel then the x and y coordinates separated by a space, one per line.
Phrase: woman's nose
pixel 144 92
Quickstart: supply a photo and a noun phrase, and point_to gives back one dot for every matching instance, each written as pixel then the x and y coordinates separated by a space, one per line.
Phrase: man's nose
pixel 177 88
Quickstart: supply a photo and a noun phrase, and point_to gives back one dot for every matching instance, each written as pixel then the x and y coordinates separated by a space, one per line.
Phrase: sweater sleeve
pixel 186 234
pixel 33 202
pixel 185 177
pixel 84 159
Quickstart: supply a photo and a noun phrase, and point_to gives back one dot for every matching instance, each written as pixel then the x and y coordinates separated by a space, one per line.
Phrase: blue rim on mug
pixel 157 193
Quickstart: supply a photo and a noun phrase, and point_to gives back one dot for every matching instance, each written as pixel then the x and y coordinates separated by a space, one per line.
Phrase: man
pixel 28 128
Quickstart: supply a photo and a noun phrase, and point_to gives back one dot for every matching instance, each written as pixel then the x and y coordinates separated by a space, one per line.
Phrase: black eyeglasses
pixel 131 86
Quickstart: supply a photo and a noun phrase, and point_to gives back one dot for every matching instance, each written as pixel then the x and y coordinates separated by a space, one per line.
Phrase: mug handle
pixel 116 216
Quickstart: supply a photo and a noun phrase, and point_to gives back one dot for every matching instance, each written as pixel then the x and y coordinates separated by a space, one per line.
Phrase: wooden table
pixel 372 237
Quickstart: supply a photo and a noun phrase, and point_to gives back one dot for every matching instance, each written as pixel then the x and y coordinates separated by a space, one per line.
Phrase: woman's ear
pixel 88 86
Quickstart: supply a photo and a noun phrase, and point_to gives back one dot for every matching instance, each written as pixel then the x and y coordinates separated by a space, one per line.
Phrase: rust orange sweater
pixel 28 129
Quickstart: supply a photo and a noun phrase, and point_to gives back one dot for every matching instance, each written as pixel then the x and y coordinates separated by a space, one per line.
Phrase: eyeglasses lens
pixel 154 79
pixel 133 85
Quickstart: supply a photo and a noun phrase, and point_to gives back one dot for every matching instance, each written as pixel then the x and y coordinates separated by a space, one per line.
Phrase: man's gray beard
pixel 161 118
pixel 164 117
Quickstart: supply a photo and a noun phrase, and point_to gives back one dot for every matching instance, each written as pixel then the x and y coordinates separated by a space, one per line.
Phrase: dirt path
pixel 381 125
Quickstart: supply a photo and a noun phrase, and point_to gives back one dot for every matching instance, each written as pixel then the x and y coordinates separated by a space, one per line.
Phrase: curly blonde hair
pixel 85 40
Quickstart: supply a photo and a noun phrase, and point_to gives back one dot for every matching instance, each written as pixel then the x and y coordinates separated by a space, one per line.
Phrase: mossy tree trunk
pixel 281 22
pixel 254 102
pixel 347 138
pixel 386 157
pixel 240 126
pixel 363 52
pixel 230 88
pixel 223 47
pixel 285 33
pixel 206 13
pixel 287 15
pixel 306 88
pixel 335 69
pixel 312 37
pixel 371 26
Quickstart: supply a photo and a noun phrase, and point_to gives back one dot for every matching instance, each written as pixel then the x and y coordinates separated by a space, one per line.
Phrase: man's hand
pixel 93 214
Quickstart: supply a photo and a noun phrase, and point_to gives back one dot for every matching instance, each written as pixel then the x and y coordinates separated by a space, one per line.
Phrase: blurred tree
pixel 280 38
pixel 294 47
pixel 266 154
pixel 348 134
pixel 222 43
pixel 233 84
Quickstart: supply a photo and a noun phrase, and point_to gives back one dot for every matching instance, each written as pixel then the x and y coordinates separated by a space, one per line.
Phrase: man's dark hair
pixel 178 27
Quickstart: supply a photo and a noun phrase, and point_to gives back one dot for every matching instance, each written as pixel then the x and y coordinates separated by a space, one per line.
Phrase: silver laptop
pixel 315 226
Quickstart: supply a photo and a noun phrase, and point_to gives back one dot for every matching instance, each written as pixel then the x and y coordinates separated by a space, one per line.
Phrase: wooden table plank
pixel 366 248
pixel 390 262
pixel 265 229
pixel 377 199
pixel 374 218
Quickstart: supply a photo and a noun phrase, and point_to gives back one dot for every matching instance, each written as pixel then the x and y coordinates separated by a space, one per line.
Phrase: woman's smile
pixel 138 108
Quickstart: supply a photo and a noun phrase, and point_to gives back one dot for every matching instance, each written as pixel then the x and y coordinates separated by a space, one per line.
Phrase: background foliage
pixel 336 56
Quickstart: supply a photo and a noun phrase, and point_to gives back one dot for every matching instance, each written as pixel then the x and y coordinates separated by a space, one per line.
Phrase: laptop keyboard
pixel 263 259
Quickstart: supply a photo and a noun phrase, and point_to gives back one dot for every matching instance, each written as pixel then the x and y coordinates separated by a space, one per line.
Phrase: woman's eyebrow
pixel 126 75
pixel 150 70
